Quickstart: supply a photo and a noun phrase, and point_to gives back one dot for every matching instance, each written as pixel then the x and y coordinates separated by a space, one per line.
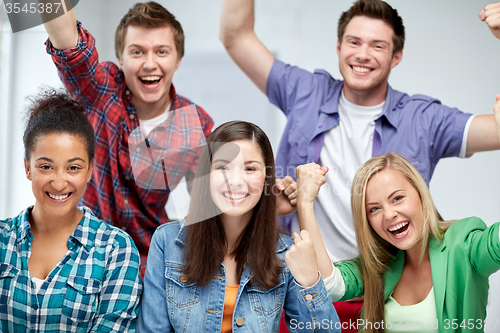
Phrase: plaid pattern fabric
pixel 137 205
pixel 95 287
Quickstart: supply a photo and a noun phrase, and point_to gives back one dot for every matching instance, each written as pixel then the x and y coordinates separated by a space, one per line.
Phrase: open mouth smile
pixel 359 69
pixel 400 229
pixel 61 197
pixel 234 196
pixel 150 80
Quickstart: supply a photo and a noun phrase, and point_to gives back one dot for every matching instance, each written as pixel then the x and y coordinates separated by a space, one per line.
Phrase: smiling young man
pixel 136 97
pixel 341 124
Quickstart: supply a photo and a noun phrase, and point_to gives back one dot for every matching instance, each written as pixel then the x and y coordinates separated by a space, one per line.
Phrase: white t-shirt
pixel 38 283
pixel 148 125
pixel 346 147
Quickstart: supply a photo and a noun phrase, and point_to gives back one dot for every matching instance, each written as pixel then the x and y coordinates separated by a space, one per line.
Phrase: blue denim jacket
pixel 171 305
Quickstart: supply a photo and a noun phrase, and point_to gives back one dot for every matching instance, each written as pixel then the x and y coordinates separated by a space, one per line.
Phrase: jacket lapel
pixel 439 271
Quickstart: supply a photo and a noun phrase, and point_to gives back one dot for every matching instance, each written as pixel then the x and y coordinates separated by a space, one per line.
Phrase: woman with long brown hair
pixel 223 267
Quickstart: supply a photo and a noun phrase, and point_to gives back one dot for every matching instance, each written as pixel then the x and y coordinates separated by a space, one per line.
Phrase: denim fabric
pixel 171 305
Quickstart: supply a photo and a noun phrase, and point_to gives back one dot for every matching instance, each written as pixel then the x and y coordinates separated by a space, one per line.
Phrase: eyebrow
pixel 226 161
pixel 390 195
pixel 69 161
pixel 157 46
pixel 374 41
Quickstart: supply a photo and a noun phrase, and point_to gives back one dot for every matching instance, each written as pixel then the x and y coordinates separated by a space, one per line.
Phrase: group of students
pixel 227 266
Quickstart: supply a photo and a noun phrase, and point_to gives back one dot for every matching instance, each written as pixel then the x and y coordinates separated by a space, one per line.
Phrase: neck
pixel 42 222
pixel 233 228
pixel 414 255
pixel 371 97
pixel 146 111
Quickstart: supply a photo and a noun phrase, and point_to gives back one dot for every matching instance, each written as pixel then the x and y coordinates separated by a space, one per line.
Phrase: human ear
pixel 27 169
pixel 396 58
pixel 89 172
pixel 338 48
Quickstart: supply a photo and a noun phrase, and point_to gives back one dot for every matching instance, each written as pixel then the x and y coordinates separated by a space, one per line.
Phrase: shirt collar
pixel 181 235
pixel 23 224
pixel 394 101
pixel 84 233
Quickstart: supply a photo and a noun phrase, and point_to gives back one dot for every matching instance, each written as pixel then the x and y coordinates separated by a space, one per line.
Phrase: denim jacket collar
pixel 181 235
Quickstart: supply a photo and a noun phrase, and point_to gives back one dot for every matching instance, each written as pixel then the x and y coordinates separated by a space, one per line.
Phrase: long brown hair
pixel 206 244
pixel 375 253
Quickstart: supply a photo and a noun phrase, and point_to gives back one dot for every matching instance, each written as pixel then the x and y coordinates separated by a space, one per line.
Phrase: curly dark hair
pixel 54 111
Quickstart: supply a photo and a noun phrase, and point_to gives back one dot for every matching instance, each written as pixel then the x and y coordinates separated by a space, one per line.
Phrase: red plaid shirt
pixel 133 175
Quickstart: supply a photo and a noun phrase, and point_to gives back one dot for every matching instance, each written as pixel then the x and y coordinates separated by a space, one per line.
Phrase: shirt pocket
pixel 267 301
pixel 179 293
pixel 8 273
pixel 80 300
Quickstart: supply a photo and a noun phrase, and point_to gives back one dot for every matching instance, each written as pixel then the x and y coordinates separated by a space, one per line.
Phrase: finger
pixel 287 181
pixel 293 202
pixel 293 195
pixel 291 189
pixel 296 237
pixel 497 97
pixel 279 184
pixel 304 234
pixel 482 15
pixel 324 169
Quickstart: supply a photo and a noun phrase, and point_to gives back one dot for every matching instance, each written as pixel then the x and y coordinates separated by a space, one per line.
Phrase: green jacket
pixel 460 266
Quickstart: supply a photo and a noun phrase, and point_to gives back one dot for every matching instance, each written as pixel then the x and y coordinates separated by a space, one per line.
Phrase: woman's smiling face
pixel 59 170
pixel 394 209
pixel 236 183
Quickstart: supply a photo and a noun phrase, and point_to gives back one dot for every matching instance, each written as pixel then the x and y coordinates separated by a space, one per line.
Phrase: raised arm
pixel 239 38
pixel 310 177
pixel 484 132
pixel 62 30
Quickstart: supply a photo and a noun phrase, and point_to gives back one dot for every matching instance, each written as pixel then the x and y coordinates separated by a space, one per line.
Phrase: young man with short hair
pixel 341 124
pixel 148 137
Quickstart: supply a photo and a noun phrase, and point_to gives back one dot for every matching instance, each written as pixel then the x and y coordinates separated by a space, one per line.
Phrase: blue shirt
pixel 171 305
pixel 95 287
pixel 417 127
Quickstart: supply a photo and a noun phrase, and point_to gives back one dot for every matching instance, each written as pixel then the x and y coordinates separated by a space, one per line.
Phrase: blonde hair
pixel 375 253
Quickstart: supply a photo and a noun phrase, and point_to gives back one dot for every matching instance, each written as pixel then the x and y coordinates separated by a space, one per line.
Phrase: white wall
pixel 449 54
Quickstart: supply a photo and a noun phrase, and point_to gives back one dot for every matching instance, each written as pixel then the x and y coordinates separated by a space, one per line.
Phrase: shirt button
pixel 183 279
pixel 138 149
pixel 131 116
pixel 127 177
pixel 240 321
pixel 309 297
pixel 35 307
pixel 320 126
pixel 124 228
pixel 127 92
pixel 125 202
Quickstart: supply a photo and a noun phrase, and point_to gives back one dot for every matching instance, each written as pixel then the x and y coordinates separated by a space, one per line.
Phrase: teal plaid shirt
pixel 96 287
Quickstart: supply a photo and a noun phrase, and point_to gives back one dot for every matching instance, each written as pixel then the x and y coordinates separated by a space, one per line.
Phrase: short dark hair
pixel 375 9
pixel 54 111
pixel 149 15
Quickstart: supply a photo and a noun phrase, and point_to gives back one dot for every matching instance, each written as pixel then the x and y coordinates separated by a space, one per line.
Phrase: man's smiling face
pixel 365 57
pixel 148 63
